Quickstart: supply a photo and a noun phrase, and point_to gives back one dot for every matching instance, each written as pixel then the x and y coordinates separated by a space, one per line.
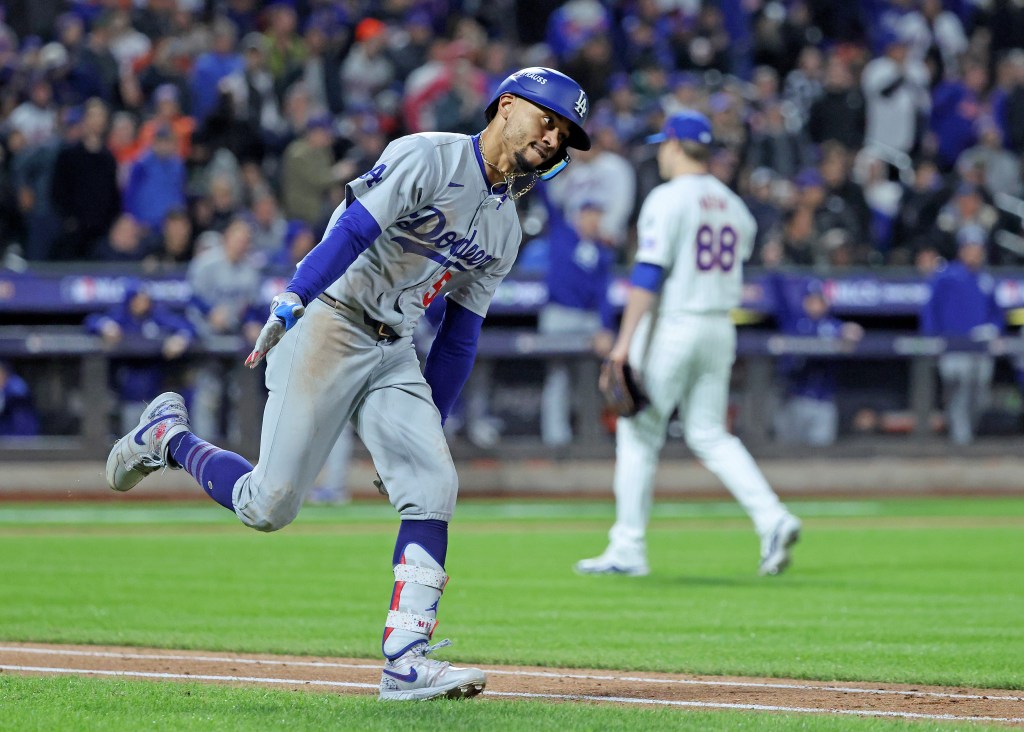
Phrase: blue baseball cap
pixel 684 126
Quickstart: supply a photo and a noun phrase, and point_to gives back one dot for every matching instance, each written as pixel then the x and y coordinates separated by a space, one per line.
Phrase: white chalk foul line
pixel 507 672
pixel 510 694
pixel 197 677
pixel 754 707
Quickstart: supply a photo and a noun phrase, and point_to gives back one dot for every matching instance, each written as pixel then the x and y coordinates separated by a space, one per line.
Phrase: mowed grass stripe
pixel 126 513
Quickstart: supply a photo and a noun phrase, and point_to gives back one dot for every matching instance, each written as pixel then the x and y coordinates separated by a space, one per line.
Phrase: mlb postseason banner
pixel 864 293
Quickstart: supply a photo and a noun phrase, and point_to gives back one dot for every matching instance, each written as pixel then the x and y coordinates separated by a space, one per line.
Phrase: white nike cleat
pixel 144 449
pixel 413 677
pixel 776 544
pixel 613 561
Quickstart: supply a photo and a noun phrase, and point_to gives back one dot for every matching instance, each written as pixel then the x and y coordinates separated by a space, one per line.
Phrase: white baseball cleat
pixel 775 545
pixel 614 561
pixel 144 449
pixel 414 677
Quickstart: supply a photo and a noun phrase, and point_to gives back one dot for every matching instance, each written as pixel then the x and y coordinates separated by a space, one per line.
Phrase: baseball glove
pixel 622 392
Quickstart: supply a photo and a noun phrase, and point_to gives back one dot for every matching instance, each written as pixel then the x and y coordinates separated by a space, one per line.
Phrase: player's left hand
pixel 285 311
pixel 622 391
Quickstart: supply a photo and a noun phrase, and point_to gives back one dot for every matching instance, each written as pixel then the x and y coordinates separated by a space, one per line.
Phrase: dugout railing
pixel 70 371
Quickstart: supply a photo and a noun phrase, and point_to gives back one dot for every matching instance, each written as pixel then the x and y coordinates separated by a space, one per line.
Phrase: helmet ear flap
pixel 557 165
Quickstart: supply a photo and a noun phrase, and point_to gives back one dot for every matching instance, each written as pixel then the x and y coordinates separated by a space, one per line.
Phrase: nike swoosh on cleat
pixel 407 678
pixel 453 184
pixel 138 435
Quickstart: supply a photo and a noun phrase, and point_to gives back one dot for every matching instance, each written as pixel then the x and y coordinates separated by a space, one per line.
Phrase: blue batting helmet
pixel 552 90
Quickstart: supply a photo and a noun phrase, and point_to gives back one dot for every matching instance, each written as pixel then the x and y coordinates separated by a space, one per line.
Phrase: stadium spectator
pixel 125 242
pixel 156 183
pixel 85 190
pixel 18 417
pixel 602 177
pixel 320 71
pixel 896 97
pixel 957 107
pixel 839 113
pixel 36 117
pixel 962 304
pixel 367 69
pixel 297 242
pixel 967 206
pixel 1001 168
pixel 775 142
pixel 804 84
pixel 253 88
pixel 32 170
pixel 94 72
pixel 167 113
pixel 308 169
pixel 286 51
pixel 761 201
pixel 171 247
pixel 211 67
pixel 845 206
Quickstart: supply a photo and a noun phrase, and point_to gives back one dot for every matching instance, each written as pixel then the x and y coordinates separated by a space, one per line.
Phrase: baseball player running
pixel 434 217
pixel 693 235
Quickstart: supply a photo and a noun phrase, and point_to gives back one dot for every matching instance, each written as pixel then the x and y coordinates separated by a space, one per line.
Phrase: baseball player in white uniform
pixel 434 217
pixel 693 235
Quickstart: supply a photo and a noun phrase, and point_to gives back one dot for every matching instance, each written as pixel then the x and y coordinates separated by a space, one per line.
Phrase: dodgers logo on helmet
pixel 552 90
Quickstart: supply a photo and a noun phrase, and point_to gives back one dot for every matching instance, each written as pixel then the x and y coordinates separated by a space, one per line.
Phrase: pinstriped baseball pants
pixel 686 362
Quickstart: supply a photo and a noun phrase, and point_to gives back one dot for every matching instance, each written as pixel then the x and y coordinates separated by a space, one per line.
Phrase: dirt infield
pixel 360 676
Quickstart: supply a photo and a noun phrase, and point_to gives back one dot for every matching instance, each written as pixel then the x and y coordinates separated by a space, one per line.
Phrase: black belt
pixel 380 331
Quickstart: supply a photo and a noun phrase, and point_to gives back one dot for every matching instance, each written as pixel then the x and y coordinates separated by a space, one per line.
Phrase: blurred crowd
pixel 861 133
pixel 215 137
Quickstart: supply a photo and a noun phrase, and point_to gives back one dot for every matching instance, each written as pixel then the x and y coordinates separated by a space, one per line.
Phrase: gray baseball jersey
pixel 442 232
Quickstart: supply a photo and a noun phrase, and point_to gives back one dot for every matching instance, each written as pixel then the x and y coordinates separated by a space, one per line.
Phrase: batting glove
pixel 285 311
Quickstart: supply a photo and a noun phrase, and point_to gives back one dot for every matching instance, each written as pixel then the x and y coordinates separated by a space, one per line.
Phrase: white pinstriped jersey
pixel 700 233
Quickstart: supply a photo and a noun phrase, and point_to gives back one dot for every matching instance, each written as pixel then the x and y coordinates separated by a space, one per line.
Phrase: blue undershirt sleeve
pixel 451 356
pixel 352 234
pixel 647 276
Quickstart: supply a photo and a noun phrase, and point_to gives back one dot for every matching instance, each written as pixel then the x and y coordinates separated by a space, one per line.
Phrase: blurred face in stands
pixel 975 77
pixel 237 238
pixel 125 234
pixel 95 122
pixel 833 169
pixel 969 204
pixel 588 223
pixel 838 75
pixel 177 232
pixel 301 245
pixel 140 304
pixel 815 306
pixel 972 255
pixel 222 194
pixel 265 211
pixel 165 146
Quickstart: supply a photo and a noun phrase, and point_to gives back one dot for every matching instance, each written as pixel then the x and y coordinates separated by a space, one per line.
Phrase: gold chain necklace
pixel 509 177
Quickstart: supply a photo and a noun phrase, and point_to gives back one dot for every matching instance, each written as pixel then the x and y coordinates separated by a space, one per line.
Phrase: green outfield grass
pixel 74 703
pixel 921 591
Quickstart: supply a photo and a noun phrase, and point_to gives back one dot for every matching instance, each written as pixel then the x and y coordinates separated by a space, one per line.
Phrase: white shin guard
pixel 419 582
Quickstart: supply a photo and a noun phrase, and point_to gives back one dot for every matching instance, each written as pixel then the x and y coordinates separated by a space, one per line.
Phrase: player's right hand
pixel 285 310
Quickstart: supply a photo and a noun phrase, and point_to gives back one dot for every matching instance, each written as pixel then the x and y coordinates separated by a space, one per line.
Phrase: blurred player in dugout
pixel 809 415
pixel 579 270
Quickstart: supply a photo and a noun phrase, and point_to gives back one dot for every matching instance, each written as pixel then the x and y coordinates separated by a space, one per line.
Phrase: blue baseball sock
pixel 431 534
pixel 216 470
